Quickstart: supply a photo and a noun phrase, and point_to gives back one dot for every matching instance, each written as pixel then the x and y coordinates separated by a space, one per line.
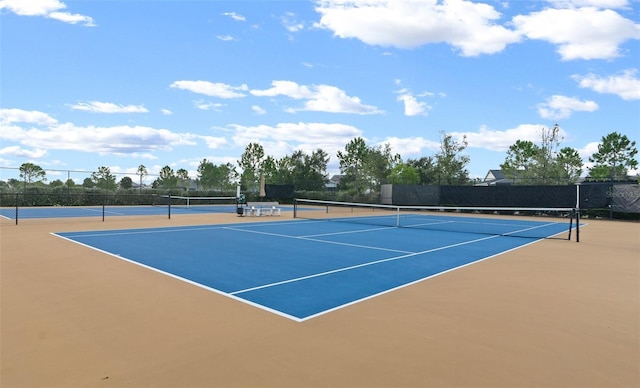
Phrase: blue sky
pixel 86 84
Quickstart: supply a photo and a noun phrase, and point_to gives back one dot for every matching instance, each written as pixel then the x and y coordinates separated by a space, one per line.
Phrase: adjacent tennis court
pixel 162 205
pixel 305 268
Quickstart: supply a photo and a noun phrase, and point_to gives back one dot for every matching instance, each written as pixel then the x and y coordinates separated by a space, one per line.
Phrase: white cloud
pixel 495 140
pixel 469 27
pixel 72 18
pixel 108 107
pixel 205 105
pixel 287 88
pixel 20 152
pixel 589 3
pixel 626 85
pixel 561 107
pixel 290 22
pixel 166 112
pixel 284 138
pixel 225 38
pixel 321 98
pixel 235 16
pixel 579 33
pixel 409 146
pixel 258 110
pixel 588 150
pixel 212 89
pixel 116 140
pixel 45 8
pixel 214 142
pixel 332 99
pixel 8 116
pixel 413 107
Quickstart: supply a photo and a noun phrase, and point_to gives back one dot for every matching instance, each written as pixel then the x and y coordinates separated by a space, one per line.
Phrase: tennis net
pixel 206 204
pixel 537 223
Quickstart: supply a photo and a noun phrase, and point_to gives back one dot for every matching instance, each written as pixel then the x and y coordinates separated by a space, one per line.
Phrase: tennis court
pixel 165 205
pixel 221 300
pixel 302 269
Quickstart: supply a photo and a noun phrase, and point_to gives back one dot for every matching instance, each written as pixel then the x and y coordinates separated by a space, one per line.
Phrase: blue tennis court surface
pixel 109 211
pixel 304 268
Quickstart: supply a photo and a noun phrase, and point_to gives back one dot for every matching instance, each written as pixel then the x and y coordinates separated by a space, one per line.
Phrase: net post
pixel 398 217
pixel 295 208
pixel 572 214
pixel 169 206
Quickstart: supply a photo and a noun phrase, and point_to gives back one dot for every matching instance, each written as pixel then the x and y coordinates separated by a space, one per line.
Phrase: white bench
pixel 261 209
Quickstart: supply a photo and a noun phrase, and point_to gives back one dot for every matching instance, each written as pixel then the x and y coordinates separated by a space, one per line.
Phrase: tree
pixel 379 162
pixel 88 183
pixel 56 183
pixel 307 172
pixel 352 162
pixel 167 178
pixel 126 182
pixel 31 173
pixel 616 154
pixel 141 172
pixel 529 163
pixel 569 165
pixel 104 179
pixel 404 174
pixel 269 168
pixel 426 168
pixel 520 161
pixel 250 163
pixel 450 162
pixel 207 174
pixel 70 183
pixel 228 176
pixel 210 176
pixel 183 179
pixel 282 172
pixel 13 183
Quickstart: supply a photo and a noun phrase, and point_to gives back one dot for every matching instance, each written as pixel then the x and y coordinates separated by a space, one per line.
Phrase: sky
pixel 92 83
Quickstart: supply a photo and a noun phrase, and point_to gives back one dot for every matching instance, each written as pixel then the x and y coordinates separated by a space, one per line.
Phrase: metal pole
pixel 578 226
pixel 17 203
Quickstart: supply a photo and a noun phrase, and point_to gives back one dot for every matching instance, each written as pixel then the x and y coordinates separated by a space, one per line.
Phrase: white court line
pixel 92 210
pixel 318 240
pixel 411 254
pixel 169 274
pixel 347 232
pixel 169 229
pixel 364 264
pixel 265 308
pixel 480 221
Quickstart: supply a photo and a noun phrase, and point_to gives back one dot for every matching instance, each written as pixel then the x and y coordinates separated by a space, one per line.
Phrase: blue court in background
pixel 304 268
pixel 109 211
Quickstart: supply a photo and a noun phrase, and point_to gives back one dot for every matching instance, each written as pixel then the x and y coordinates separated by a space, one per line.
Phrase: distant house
pixel 495 178
pixel 333 182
